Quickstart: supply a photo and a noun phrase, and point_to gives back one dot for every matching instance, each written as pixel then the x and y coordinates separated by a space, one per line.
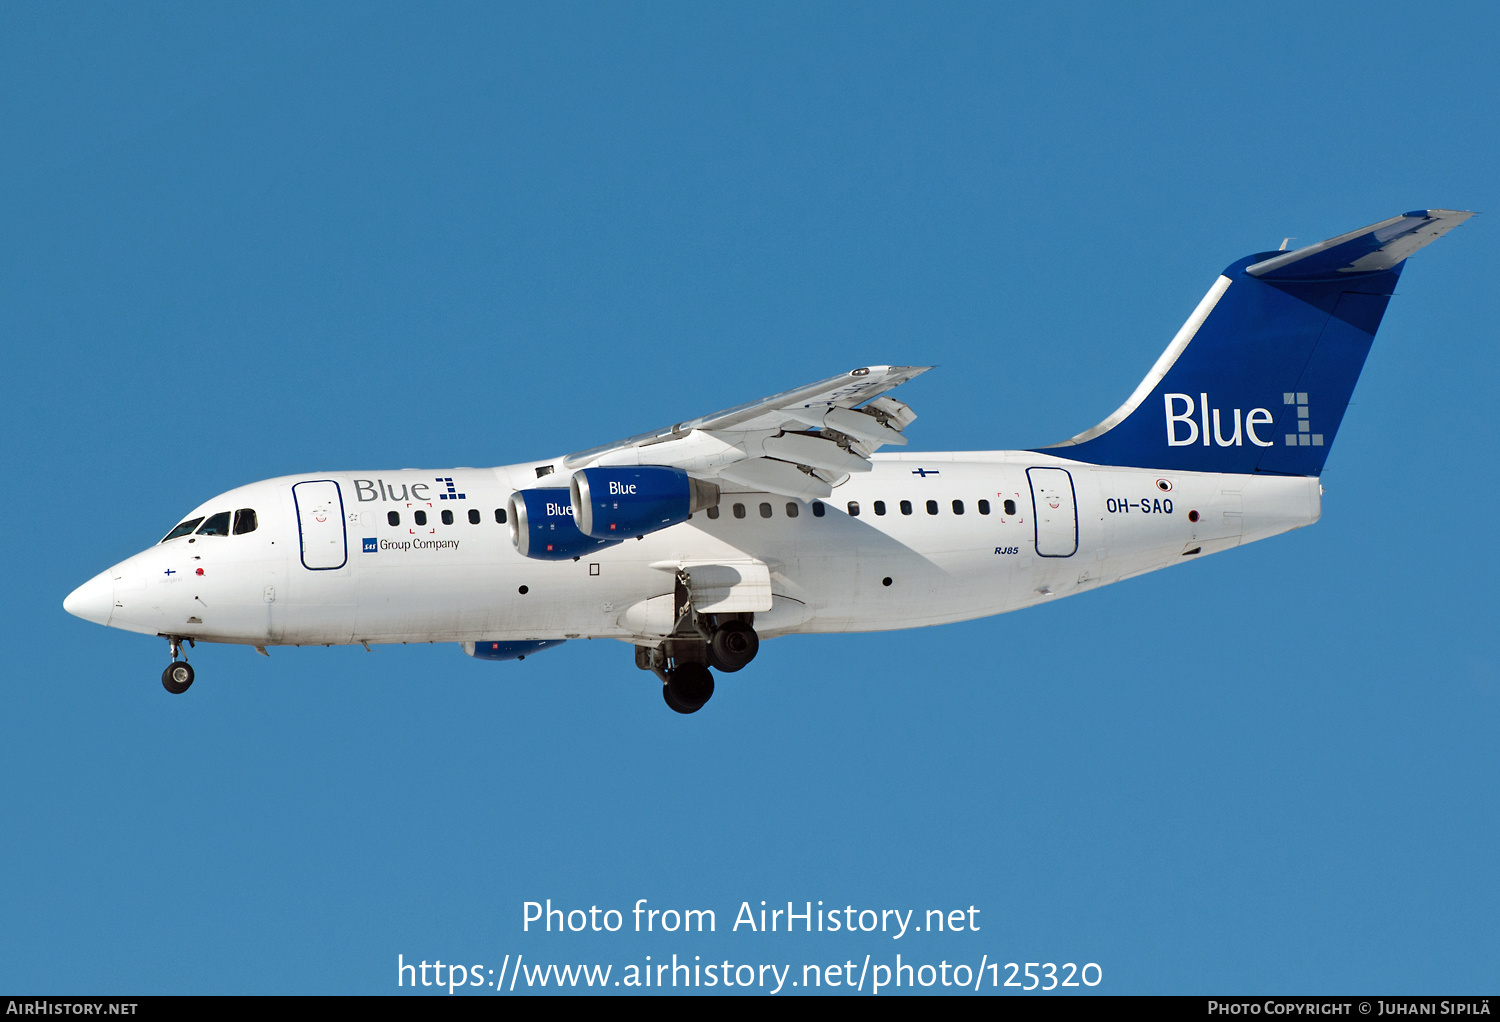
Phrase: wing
pixel 799 443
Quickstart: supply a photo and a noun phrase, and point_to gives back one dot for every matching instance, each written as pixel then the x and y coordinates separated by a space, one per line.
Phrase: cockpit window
pixel 183 529
pixel 244 521
pixel 217 525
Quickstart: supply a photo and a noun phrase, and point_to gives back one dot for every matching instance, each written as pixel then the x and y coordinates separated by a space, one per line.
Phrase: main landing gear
pixel 682 663
pixel 688 687
pixel 178 677
pixel 732 646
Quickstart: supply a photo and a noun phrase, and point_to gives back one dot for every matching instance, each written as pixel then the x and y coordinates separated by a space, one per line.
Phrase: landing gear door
pixel 320 522
pixel 730 587
pixel 1055 512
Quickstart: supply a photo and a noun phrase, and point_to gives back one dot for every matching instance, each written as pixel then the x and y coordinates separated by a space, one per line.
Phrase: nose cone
pixel 94 600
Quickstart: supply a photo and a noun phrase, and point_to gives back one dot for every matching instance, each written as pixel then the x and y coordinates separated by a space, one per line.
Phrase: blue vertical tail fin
pixel 1258 378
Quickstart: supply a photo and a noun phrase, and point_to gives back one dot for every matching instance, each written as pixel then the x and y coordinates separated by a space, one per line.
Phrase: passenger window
pixel 473 516
pixel 739 510
pixel 1010 507
pixel 244 521
pixel 183 529
pixel 447 516
pixel 217 525
pixel 906 507
pixel 499 516
pixel 854 509
pixel 958 507
pixel 765 510
pixel 880 507
pixel 932 507
pixel 393 517
pixel 420 517
pixel 792 509
pixel 984 507
pixel 818 511
pixel 713 513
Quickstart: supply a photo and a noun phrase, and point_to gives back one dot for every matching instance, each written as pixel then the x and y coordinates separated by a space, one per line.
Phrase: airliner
pixel 792 514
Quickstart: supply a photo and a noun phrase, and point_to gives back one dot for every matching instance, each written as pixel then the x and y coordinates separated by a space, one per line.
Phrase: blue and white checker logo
pixel 1304 437
pixel 452 493
pixel 371 545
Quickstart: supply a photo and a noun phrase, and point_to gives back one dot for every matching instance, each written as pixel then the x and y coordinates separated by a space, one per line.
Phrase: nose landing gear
pixel 178 677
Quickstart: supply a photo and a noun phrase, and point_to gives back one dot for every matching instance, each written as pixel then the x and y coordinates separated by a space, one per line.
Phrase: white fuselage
pixel 463 582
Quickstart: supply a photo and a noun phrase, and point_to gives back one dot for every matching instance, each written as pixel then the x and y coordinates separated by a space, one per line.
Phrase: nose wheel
pixel 178 677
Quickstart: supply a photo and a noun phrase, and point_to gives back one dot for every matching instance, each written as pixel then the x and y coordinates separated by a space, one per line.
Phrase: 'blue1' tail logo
pixel 1304 437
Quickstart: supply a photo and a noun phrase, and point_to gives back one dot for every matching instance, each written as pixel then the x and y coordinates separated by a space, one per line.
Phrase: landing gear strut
pixel 178 677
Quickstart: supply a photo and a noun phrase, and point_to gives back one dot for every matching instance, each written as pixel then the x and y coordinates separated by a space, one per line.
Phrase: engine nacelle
pixel 615 503
pixel 541 526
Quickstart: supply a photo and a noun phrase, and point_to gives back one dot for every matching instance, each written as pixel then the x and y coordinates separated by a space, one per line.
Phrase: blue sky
pixel 247 242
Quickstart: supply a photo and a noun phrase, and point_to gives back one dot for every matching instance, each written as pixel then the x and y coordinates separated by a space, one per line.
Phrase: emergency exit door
pixel 1055 512
pixel 320 522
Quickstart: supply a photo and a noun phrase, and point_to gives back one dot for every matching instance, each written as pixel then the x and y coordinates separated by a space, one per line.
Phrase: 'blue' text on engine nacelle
pixel 613 503
pixel 541 526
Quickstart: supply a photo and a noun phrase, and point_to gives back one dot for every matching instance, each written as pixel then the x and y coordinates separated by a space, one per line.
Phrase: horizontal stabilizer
pixel 1367 250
